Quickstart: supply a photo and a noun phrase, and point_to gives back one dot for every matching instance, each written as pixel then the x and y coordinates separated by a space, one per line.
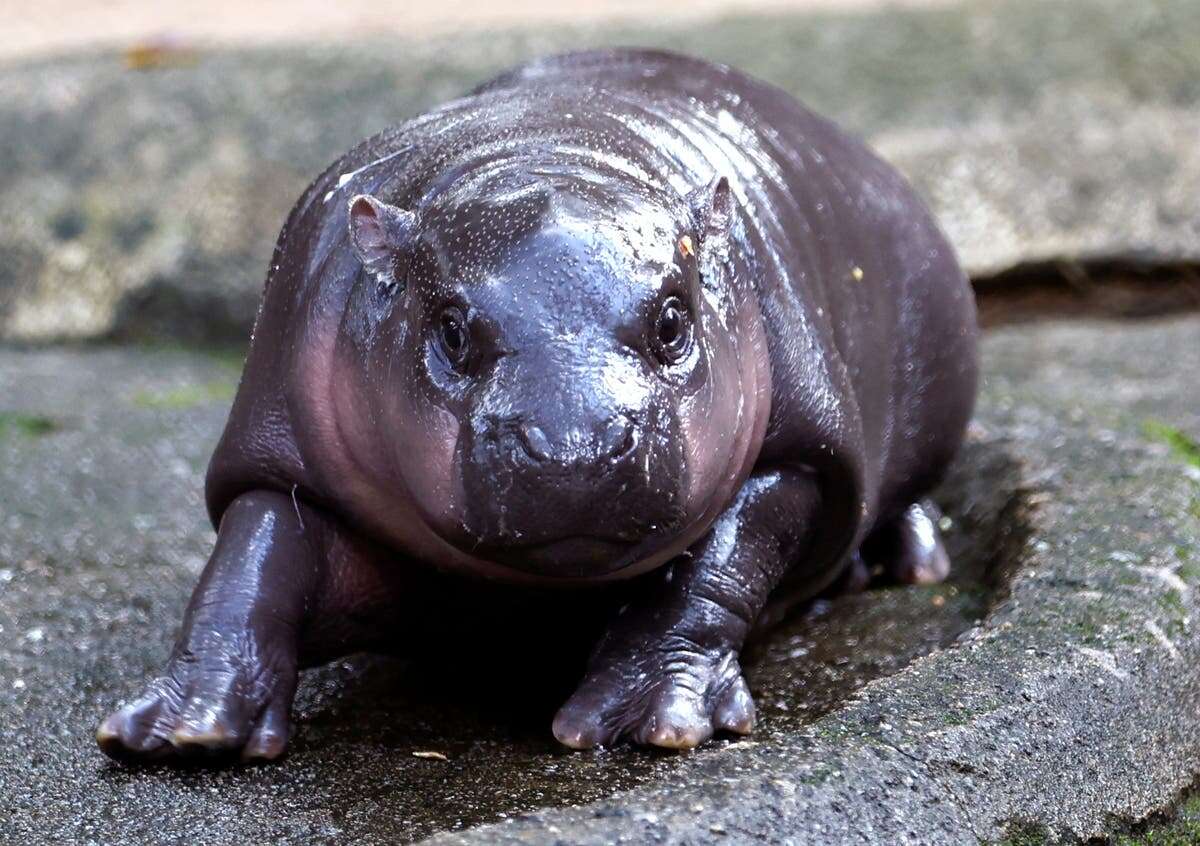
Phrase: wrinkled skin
pixel 622 335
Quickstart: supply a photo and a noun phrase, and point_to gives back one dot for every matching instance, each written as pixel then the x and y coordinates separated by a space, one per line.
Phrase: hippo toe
pixel 675 700
pixel 205 707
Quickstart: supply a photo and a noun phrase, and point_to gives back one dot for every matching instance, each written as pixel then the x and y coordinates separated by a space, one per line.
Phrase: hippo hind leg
pixel 909 549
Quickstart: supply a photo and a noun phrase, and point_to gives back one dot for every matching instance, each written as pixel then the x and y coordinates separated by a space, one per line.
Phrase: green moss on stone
pixel 1172 603
pixel 1189 570
pixel 26 425
pixel 1026 834
pixel 187 396
pixel 1182 445
pixel 818 776
pixel 1182 830
pixel 228 356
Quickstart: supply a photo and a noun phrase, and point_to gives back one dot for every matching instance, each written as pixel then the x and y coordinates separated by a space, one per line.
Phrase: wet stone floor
pixel 489 714
pixel 105 534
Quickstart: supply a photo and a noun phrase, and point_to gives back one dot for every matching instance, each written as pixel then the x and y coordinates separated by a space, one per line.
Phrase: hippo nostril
pixel 618 437
pixel 536 443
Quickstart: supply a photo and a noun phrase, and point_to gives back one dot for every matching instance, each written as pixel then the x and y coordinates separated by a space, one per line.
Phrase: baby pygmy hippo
pixel 615 321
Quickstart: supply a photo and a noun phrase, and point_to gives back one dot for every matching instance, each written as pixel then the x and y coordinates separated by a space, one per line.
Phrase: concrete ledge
pixel 146 202
pixel 1071 710
pixel 1061 702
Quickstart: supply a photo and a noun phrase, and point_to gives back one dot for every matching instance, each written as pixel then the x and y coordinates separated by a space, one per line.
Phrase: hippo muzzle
pixel 561 479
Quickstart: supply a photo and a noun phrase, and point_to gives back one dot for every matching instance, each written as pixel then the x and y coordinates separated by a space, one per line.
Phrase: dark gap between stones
pixel 1113 289
pixel 1065 289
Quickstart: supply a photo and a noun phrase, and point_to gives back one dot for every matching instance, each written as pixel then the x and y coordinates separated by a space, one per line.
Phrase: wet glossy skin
pixel 559 410
pixel 613 315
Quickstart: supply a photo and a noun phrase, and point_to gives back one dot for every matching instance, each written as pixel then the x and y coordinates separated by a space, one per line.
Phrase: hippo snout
pixel 569 498
pixel 541 459
pixel 613 440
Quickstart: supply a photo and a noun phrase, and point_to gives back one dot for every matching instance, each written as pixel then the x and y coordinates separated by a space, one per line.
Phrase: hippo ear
pixel 712 207
pixel 377 233
pixel 712 214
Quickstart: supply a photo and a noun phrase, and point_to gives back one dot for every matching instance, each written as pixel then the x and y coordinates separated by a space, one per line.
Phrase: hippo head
pixel 562 376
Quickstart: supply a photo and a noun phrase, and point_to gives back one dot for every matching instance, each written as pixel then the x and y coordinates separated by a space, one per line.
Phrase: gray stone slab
pixel 147 202
pixel 104 534
pixel 1071 709
pixel 1051 687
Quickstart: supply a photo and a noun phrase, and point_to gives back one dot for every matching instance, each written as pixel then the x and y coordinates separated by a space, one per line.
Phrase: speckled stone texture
pixel 1051 687
pixel 146 202
pixel 1071 709
pixel 1051 690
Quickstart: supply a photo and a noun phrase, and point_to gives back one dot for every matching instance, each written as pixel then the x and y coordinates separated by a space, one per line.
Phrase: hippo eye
pixel 672 330
pixel 453 336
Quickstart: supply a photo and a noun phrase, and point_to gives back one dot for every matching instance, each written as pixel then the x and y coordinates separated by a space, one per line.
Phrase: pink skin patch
pixel 722 437
pixel 401 484
pixel 367 487
pixel 425 438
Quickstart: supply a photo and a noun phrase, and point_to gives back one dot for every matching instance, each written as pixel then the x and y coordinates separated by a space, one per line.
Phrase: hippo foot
pixel 909 550
pixel 672 698
pixel 231 702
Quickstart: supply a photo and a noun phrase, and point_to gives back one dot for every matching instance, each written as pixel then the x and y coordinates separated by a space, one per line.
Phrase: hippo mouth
pixel 574 556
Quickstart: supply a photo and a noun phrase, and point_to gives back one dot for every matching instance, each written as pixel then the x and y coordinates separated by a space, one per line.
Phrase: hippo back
pixel 869 321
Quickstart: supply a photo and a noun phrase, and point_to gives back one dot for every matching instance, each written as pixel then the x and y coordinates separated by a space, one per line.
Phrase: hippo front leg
pixel 262 609
pixel 666 673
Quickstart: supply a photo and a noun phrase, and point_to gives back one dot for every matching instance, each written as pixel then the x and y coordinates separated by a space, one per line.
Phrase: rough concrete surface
pixel 1071 709
pixel 1049 692
pixel 141 193
pixel 1050 688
